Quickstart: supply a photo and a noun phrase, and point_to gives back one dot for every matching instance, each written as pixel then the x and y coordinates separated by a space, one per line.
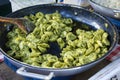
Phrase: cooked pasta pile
pixel 78 48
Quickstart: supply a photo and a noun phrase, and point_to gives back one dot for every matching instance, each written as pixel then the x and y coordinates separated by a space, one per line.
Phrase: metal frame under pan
pixel 75 12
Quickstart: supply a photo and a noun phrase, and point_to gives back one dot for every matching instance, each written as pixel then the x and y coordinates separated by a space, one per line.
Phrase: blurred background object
pixel 5 7
pixel 83 3
pixel 114 4
pixel 105 8
pixel 19 4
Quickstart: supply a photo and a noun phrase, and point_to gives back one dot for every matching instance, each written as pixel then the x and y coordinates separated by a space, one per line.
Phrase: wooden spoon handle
pixel 17 21
pixel 8 20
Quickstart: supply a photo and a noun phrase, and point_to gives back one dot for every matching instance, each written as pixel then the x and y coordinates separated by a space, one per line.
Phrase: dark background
pixel 5 7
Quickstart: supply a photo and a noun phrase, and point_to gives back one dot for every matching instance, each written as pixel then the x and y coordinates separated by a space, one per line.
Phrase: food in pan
pixel 114 4
pixel 77 46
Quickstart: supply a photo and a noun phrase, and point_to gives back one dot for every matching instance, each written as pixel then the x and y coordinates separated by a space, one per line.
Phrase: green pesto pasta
pixel 77 48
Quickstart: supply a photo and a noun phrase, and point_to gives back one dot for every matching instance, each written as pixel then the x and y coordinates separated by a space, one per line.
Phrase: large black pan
pixel 76 13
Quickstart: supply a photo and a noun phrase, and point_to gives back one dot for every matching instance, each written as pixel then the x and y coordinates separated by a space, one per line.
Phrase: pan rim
pixel 63 69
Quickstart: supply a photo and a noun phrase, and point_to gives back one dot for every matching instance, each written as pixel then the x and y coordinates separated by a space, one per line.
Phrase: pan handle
pixel 23 72
pixel 116 13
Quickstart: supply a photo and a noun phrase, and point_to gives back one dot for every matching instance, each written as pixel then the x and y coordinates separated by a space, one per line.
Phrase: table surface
pixel 8 74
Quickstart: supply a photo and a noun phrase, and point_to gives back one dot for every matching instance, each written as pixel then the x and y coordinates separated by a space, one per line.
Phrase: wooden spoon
pixel 24 24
